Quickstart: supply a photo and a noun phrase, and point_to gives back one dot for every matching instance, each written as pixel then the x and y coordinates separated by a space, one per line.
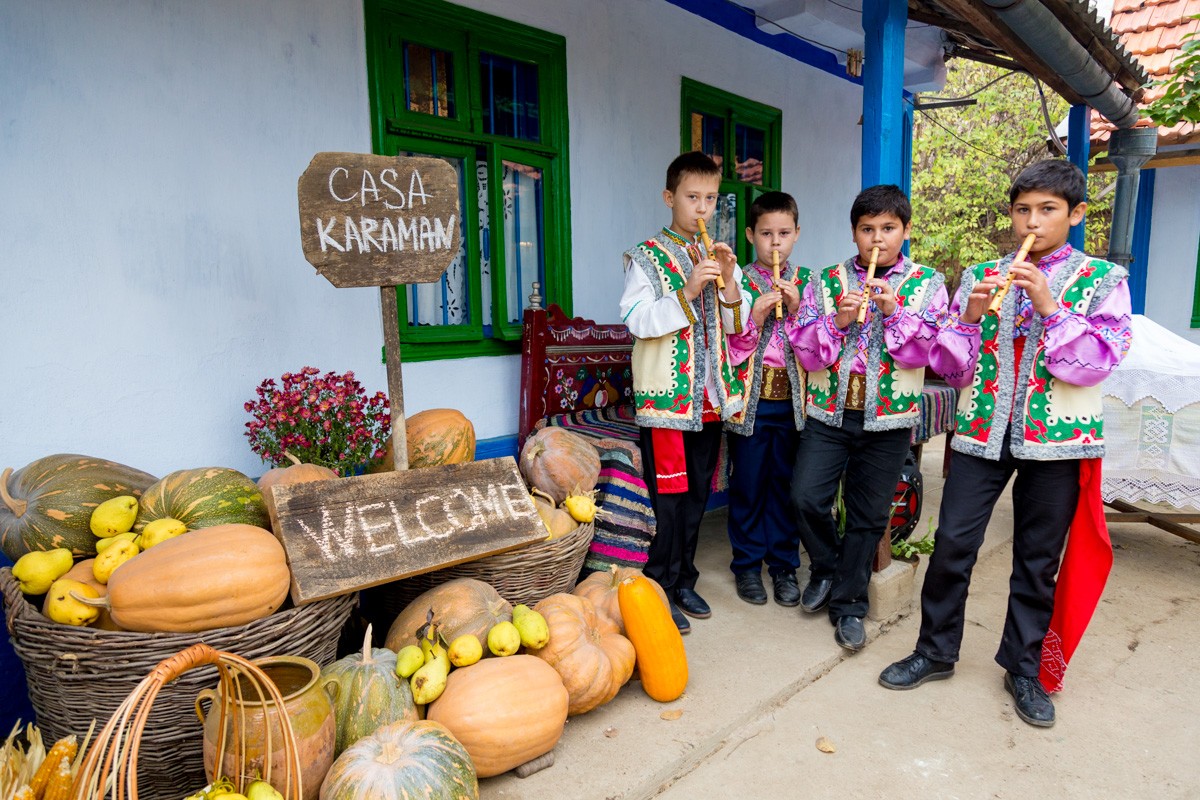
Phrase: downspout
pixel 1129 147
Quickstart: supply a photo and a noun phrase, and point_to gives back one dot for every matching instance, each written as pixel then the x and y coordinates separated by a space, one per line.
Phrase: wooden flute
pixel 775 266
pixel 862 310
pixel 1022 254
pixel 708 246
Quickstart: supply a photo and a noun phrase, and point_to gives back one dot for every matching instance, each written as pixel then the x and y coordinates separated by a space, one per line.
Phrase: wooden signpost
pixel 368 220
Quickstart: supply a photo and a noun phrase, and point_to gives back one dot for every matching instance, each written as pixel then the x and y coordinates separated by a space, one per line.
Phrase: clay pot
pixel 306 704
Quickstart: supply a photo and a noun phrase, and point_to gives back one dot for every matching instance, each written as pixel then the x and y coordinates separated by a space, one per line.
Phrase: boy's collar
pixel 1057 257
pixel 858 262
pixel 676 237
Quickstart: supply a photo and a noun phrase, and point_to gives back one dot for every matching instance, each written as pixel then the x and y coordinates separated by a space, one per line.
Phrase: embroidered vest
pixel 1056 419
pixel 750 370
pixel 892 393
pixel 670 371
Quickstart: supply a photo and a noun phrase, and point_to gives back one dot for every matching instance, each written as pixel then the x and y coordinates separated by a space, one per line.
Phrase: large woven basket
pixel 76 675
pixel 525 575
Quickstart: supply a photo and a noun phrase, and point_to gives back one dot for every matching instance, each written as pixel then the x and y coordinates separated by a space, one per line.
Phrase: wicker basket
pixel 525 575
pixel 76 675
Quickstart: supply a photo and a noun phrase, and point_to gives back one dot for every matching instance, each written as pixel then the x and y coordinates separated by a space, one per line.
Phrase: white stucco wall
pixel 1174 233
pixel 149 154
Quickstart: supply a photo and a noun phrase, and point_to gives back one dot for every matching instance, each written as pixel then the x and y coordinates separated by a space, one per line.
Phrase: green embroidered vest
pixel 893 394
pixel 1057 420
pixel 670 371
pixel 750 370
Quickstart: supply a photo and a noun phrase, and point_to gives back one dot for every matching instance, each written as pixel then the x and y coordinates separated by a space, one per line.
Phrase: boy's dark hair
pixel 1055 176
pixel 695 163
pixel 886 198
pixel 769 203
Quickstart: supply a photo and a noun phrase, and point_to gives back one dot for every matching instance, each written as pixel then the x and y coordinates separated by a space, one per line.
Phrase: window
pixel 489 97
pixel 743 137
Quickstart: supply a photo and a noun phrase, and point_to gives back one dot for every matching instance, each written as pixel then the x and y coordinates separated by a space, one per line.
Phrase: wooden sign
pixel 368 220
pixel 345 535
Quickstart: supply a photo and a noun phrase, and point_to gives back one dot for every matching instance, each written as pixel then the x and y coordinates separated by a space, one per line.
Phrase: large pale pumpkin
pixel 435 437
pixel 369 694
pixel 298 472
pixel 211 578
pixel 204 497
pixel 560 463
pixel 403 761
pixel 591 658
pixel 48 503
pixel 505 711
pixel 661 660
pixel 460 606
pixel 601 589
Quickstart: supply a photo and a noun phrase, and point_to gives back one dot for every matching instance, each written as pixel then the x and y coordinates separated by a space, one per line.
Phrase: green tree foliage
pixel 1181 100
pixel 965 158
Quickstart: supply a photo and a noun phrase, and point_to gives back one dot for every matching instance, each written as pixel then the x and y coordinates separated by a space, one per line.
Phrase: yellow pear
pixel 37 570
pixel 465 650
pixel 62 607
pixel 104 544
pixel 429 681
pixel 159 530
pixel 409 660
pixel 504 639
pixel 535 633
pixel 113 516
pixel 107 562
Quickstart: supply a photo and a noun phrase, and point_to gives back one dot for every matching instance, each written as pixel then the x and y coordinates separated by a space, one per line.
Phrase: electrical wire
pixel 751 12
pixel 933 118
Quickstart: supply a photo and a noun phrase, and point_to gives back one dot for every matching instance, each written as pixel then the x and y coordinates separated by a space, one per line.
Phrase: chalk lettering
pixel 515 496
pixel 400 531
pixel 419 191
pixel 326 240
pixel 383 178
pixel 352 234
pixel 368 529
pixel 332 192
pixel 368 227
pixel 443 234
pixel 368 187
pixel 321 540
pixel 477 516
pixel 387 236
pixel 421 519
pixel 408 232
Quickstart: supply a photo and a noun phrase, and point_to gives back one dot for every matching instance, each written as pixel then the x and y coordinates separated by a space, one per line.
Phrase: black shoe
pixel 911 672
pixel 750 587
pixel 816 594
pixel 1030 700
pixel 849 633
pixel 787 589
pixel 692 604
pixel 681 622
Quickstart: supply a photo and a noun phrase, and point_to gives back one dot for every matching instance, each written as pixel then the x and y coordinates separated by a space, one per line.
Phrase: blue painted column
pixel 1079 145
pixel 906 156
pixel 1139 265
pixel 883 91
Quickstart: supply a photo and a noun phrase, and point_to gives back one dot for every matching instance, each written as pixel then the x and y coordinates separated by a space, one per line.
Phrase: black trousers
pixel 1044 498
pixel 871 461
pixel 672 556
pixel 762 523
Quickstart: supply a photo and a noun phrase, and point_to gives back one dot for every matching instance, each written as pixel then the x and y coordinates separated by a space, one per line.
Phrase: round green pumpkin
pixel 403 760
pixel 204 497
pixel 48 504
pixel 369 694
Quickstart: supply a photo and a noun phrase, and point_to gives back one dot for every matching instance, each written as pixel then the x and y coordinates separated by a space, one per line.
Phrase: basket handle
pixel 201 696
pixel 172 667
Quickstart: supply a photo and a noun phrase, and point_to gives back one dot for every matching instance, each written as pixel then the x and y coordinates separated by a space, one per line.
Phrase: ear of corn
pixel 63 748
pixel 24 793
pixel 59 786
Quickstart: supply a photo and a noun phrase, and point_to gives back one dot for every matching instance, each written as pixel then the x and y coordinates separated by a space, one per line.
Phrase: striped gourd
pixel 369 693
pixel 48 503
pixel 411 759
pixel 202 498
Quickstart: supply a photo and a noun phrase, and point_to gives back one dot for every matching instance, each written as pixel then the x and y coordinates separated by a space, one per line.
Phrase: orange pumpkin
pixel 434 438
pixel 557 521
pixel 287 476
pixel 560 463
pixel 601 589
pixel 505 711
pixel 661 660
pixel 593 660
pixel 460 606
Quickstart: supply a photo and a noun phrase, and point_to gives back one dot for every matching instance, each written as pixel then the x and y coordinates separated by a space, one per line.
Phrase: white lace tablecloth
pixel 1152 420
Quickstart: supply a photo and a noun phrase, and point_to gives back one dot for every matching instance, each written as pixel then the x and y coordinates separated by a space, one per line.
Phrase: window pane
pixel 708 136
pixel 428 80
pixel 724 221
pixel 751 149
pixel 445 301
pixel 510 97
pixel 524 246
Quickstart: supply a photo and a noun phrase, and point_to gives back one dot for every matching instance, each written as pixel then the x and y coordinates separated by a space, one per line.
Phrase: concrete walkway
pixel 766 683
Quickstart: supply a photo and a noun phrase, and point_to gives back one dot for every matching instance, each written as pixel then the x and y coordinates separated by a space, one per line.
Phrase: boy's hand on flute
pixel 1037 289
pixel 763 306
pixel 980 299
pixel 791 296
pixel 884 298
pixel 727 260
pixel 704 272
pixel 847 310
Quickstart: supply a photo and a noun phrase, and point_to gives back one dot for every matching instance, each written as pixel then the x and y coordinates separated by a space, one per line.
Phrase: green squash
pixel 403 760
pixel 48 504
pixel 204 497
pixel 369 694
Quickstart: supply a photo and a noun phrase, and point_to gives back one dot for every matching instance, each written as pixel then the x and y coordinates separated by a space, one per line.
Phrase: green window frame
pixel 460 42
pixel 737 116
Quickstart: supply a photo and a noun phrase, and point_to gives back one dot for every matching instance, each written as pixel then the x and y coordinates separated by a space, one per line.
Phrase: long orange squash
pixel 661 660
